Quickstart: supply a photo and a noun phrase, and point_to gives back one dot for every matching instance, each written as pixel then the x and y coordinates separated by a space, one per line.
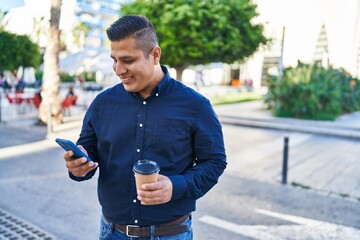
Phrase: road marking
pixel 305 229
pixel 257 231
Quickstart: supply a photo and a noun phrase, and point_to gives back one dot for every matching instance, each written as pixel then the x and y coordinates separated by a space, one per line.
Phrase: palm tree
pixel 3 23
pixel 51 78
pixel 80 32
pixel 39 28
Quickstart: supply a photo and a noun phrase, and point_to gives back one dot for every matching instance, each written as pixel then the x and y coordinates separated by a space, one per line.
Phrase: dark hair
pixel 135 26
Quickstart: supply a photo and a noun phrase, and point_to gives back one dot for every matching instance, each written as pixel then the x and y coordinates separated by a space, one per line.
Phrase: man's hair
pixel 135 26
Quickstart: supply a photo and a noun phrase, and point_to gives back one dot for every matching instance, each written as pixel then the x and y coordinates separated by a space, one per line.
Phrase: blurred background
pixel 216 47
pixel 291 68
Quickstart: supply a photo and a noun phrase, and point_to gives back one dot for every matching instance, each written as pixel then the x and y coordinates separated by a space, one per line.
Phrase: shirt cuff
pixel 79 179
pixel 179 186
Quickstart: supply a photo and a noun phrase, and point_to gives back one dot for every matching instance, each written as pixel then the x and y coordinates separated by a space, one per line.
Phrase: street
pixel 249 202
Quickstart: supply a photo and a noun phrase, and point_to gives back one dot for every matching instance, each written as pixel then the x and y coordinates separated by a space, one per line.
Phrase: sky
pixel 5 5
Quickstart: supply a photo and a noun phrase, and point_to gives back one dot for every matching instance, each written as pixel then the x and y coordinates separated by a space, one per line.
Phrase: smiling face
pixel 139 72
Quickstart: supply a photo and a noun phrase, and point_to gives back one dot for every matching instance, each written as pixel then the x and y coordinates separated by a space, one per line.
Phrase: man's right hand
pixel 79 167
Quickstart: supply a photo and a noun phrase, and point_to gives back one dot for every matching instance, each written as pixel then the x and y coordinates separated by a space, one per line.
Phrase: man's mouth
pixel 125 79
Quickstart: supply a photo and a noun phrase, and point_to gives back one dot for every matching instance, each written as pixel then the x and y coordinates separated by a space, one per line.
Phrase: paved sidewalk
pixel 323 155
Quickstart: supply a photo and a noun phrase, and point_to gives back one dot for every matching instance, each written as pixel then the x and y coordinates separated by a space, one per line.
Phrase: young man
pixel 151 116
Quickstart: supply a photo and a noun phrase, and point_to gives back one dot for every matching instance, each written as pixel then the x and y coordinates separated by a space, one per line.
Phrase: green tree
pixel 193 32
pixel 18 50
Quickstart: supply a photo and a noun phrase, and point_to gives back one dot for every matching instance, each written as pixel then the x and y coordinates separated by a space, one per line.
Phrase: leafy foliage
pixel 313 92
pixel 18 50
pixel 193 32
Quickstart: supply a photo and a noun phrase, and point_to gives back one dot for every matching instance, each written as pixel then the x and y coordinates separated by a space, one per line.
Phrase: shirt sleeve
pixel 210 162
pixel 88 140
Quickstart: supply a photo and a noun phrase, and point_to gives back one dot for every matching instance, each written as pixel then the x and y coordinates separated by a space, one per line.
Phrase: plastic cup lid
pixel 146 167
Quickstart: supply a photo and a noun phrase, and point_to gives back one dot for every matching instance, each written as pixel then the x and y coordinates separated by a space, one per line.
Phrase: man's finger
pixel 82 149
pixel 150 200
pixel 151 186
pixel 68 155
pixel 74 163
pixel 149 194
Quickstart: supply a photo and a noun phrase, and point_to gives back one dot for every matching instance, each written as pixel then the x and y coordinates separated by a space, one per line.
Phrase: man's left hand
pixel 156 193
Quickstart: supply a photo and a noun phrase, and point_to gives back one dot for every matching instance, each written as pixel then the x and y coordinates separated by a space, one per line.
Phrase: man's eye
pixel 128 61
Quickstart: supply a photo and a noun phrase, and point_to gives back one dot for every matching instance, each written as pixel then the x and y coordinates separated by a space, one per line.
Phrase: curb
pixel 322 129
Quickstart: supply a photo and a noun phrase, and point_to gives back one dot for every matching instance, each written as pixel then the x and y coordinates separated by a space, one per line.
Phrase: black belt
pixel 167 229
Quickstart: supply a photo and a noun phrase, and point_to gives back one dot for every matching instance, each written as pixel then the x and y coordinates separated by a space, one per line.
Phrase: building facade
pixel 97 15
pixel 308 31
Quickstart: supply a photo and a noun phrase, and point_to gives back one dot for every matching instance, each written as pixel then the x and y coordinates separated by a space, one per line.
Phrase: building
pixel 97 15
pixel 33 18
pixel 307 31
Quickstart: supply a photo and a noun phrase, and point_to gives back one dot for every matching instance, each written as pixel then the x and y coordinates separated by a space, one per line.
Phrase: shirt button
pixel 141 125
pixel 157 94
pixel 136 221
pixel 144 102
pixel 138 150
pixel 134 201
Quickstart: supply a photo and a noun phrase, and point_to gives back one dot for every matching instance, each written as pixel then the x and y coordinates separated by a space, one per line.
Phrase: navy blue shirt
pixel 175 126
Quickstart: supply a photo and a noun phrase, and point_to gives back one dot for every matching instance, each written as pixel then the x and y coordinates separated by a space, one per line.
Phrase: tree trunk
pixel 179 71
pixel 51 78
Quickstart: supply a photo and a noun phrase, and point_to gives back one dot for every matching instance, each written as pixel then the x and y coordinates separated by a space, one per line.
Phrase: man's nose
pixel 119 69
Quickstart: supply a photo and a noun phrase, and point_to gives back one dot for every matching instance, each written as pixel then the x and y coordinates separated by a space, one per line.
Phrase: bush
pixel 66 77
pixel 313 92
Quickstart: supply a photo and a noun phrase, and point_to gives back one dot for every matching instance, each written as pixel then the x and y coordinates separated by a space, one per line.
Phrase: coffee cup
pixel 145 171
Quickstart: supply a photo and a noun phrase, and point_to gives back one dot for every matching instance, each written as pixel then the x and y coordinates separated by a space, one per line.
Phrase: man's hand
pixel 156 193
pixel 79 167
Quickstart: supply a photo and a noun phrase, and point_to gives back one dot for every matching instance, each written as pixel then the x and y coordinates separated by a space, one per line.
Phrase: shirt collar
pixel 161 87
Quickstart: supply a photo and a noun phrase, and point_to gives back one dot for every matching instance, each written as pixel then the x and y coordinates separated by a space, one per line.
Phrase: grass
pixel 235 98
pixel 296 184
pixel 344 195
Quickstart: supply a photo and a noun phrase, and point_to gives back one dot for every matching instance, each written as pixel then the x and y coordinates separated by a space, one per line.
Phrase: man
pixel 151 116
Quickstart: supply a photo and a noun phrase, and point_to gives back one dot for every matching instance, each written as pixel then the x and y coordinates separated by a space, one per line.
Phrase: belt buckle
pixel 127 230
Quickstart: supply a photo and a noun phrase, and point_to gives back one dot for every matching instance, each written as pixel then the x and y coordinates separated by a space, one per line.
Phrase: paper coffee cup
pixel 145 171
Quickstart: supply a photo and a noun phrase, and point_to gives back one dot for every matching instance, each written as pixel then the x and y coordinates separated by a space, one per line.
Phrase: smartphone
pixel 69 145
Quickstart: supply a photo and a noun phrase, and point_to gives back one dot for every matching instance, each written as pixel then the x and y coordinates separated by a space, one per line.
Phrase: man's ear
pixel 156 54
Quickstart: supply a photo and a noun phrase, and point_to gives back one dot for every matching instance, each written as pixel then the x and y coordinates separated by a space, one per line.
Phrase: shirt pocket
pixel 171 138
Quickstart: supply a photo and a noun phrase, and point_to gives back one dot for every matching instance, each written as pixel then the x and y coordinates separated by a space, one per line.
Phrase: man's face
pixel 136 71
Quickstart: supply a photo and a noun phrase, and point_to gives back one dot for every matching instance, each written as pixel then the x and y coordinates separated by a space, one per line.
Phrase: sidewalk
pixel 327 165
pixel 324 156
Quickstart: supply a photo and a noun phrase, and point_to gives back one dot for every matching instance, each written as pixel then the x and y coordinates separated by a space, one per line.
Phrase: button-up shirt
pixel 175 126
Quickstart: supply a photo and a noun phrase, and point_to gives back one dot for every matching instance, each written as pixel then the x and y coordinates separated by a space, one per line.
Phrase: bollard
pixel 285 160
pixel 0 106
